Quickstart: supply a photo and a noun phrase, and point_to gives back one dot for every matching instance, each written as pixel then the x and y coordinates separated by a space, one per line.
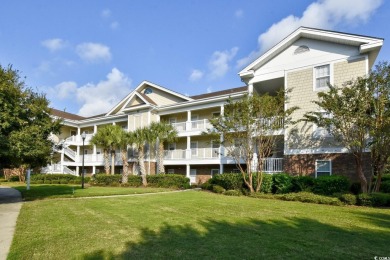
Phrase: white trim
pixel 316 150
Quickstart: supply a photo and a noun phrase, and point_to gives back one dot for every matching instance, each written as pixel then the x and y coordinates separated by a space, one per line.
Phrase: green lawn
pixel 197 225
pixel 50 191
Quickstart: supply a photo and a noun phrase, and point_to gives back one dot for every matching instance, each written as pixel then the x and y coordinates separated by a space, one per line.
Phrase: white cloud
pixel 100 98
pixel 209 89
pixel 196 75
pixel 239 13
pixel 65 89
pixel 325 14
pixel 219 62
pixel 54 44
pixel 106 13
pixel 93 52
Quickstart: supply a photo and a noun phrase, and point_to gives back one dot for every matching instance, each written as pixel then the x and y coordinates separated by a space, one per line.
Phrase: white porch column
pixel 78 153
pixel 188 170
pixel 149 117
pixel 128 123
pixel 250 89
pixel 77 171
pixel 93 170
pixel 188 123
pixel 113 123
pixel 62 159
pixel 221 148
pixel 94 129
pixel 221 168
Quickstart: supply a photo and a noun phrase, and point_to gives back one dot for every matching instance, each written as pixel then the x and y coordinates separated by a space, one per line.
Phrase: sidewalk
pixel 10 204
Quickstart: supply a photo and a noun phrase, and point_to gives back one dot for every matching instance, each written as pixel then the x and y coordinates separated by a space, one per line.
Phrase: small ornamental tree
pixel 248 125
pixel 345 114
pixel 105 139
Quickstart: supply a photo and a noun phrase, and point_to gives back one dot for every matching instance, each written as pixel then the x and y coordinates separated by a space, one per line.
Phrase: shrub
pixel 311 198
pixel 53 178
pixel 38 181
pixel 302 183
pixel 229 181
pixel 218 189
pixel 104 179
pixel 49 182
pixel 168 181
pixel 347 198
pixel 364 199
pixel 64 181
pixel 13 178
pixel 327 185
pixel 385 187
pixel 380 199
pixel 266 185
pixel 134 180
pixel 207 185
pixel 282 183
pixel 232 193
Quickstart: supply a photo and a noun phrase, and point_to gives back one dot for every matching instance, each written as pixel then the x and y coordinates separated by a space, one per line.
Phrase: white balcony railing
pixel 78 139
pixel 174 154
pixel 196 125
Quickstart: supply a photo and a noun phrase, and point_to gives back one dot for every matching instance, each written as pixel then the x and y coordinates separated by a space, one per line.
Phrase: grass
pixel 50 191
pixel 197 225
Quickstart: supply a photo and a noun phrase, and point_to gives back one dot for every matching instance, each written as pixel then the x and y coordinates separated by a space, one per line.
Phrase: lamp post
pixel 83 135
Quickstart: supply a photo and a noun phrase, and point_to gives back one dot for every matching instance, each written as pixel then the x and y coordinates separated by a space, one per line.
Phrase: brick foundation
pixel 342 164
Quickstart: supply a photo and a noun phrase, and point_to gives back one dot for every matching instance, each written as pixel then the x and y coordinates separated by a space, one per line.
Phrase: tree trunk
pixel 360 173
pixel 112 162
pixel 259 176
pixel 161 168
pixel 142 166
pixel 125 173
pixel 106 162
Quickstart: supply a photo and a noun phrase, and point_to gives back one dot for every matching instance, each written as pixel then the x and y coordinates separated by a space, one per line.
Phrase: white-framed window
pixel 171 146
pixel 85 151
pixel 172 120
pixel 323 168
pixel 194 148
pixel 322 76
pixel 73 132
pixel 321 132
pixel 171 171
pixel 214 149
pixel 214 172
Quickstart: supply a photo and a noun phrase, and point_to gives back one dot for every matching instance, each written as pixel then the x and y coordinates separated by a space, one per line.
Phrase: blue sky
pixel 87 55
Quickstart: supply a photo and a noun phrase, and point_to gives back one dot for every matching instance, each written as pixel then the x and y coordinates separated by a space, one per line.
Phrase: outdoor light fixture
pixel 83 135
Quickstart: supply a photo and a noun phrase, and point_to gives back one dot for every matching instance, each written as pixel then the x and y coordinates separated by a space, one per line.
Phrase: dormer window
pixel 148 91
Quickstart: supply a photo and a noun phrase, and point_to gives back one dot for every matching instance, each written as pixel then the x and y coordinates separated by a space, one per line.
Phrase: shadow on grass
pixel 295 238
pixel 38 192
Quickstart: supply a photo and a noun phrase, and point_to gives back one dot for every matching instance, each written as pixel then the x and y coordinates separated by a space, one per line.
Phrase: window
pixel 85 151
pixel 194 120
pixel 171 171
pixel 172 120
pixel 323 168
pixel 214 149
pixel 321 132
pixel 301 49
pixel 73 133
pixel 216 114
pixel 321 76
pixel 214 172
pixel 148 91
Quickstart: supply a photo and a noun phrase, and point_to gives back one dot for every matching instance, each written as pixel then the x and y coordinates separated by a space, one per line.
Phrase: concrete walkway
pixel 10 204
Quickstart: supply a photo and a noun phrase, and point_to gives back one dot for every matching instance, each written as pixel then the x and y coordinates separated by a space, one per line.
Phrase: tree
pixel 345 114
pixel 378 83
pixel 247 128
pixel 141 137
pixel 105 138
pixel 122 140
pixel 25 123
pixel 162 132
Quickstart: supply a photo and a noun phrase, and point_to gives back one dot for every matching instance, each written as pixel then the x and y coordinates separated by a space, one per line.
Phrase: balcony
pixel 196 125
pixel 192 154
pixel 76 139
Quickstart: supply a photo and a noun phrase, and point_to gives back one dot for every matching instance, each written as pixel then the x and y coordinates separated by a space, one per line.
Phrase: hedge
pixel 234 181
pixel 56 179
pixel 160 180
pixel 328 185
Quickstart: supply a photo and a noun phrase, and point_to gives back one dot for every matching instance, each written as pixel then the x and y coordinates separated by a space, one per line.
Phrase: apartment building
pixel 303 62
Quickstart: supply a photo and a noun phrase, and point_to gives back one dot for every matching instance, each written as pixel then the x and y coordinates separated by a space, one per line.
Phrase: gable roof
pixel 66 115
pixel 366 44
pixel 148 101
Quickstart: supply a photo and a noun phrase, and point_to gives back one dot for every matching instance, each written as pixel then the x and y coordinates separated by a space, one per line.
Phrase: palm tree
pixel 140 137
pixel 122 140
pixel 163 133
pixel 104 138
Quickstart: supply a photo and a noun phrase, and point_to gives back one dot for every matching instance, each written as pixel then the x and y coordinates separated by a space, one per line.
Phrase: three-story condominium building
pixel 304 62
